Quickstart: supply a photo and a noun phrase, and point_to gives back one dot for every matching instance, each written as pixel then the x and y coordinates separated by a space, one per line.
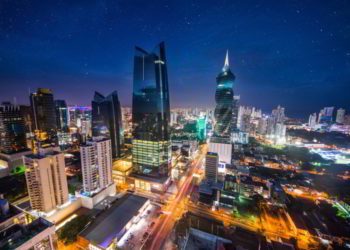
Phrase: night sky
pixel 296 54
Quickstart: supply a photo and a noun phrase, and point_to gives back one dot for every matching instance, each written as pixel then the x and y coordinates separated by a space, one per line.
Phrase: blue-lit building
pixel 202 129
pixel 221 140
pixel 107 120
pixel 326 115
pixel 61 115
pixel 224 98
pixel 151 113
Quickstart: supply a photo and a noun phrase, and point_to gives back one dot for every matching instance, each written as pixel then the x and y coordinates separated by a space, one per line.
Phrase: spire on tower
pixel 227 63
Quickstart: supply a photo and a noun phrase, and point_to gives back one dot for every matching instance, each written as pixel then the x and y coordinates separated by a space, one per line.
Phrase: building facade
pixel 340 116
pixel 44 111
pixel 46 179
pixel 221 141
pixel 61 115
pixel 107 120
pixel 326 115
pixel 12 129
pixel 21 231
pixel 276 128
pixel 312 120
pixel 151 113
pixel 96 165
pixel 224 103
pixel 211 167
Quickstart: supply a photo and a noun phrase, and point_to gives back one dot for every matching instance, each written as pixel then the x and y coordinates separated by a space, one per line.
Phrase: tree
pixel 68 234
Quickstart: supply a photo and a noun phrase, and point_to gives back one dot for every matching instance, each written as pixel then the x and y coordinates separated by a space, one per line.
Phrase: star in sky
pixel 296 53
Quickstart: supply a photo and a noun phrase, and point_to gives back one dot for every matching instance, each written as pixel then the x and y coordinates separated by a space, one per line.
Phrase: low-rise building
pixel 122 168
pixel 110 225
pixel 12 163
pixel 197 239
pixel 149 183
pixel 21 231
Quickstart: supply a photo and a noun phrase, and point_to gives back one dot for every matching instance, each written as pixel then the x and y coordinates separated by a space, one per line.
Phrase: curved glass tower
pixel 150 113
pixel 224 98
pixel 107 120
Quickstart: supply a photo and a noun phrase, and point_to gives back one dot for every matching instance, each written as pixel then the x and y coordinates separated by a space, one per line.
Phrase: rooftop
pixel 161 179
pixel 17 234
pixel 42 156
pixel 212 154
pixel 122 165
pixel 201 240
pixel 95 140
pixel 110 223
pixel 11 212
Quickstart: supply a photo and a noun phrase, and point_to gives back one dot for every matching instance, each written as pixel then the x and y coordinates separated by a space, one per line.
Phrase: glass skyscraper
pixel 107 120
pixel 224 109
pixel 12 129
pixel 61 115
pixel 151 113
pixel 44 113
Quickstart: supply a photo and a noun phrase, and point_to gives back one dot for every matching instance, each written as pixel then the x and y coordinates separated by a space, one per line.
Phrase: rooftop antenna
pixel 227 62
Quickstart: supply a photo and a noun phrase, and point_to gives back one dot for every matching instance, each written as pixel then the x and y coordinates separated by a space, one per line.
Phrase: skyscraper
pixel 96 165
pixel 12 129
pixel 340 116
pixel 221 142
pixel 61 114
pixel 224 103
pixel 44 113
pixel 211 166
pixel 276 129
pixel 173 118
pixel 312 120
pixel 235 110
pixel 151 113
pixel 202 128
pixel 326 115
pixel 107 120
pixel 27 114
pixel 46 179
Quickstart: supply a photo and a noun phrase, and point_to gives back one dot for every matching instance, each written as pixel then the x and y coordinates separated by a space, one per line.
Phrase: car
pixel 152 224
pixel 145 235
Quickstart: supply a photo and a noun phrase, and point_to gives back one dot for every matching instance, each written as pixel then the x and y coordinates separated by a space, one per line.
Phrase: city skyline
pixel 313 70
pixel 174 124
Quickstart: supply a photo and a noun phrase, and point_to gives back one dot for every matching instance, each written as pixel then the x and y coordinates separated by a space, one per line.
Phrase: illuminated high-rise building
pixel 107 120
pixel 46 179
pixel 235 110
pixel 96 165
pixel 221 141
pixel 340 116
pixel 276 128
pixel 312 120
pixel 326 115
pixel 211 166
pixel 61 115
pixel 173 118
pixel 44 112
pixel 12 129
pixel 151 113
pixel 224 103
pixel 202 128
